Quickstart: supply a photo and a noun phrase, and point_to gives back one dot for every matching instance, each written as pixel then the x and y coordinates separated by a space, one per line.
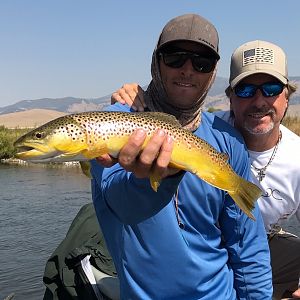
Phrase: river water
pixel 38 204
pixel 37 207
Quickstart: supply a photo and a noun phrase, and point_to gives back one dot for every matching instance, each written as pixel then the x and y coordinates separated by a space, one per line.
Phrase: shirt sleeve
pixel 131 199
pixel 246 242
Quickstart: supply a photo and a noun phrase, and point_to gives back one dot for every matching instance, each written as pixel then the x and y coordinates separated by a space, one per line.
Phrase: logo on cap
pixel 258 55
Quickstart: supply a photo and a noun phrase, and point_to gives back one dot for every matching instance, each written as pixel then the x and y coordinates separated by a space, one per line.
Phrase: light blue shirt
pixel 219 253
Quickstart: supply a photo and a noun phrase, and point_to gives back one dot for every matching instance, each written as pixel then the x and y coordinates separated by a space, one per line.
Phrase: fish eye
pixel 38 135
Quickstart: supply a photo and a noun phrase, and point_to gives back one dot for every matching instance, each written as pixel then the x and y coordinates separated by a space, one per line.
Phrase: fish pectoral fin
pixel 93 153
pixel 86 168
pixel 155 181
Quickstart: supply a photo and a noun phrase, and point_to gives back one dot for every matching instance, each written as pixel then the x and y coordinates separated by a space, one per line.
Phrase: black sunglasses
pixel 268 89
pixel 178 59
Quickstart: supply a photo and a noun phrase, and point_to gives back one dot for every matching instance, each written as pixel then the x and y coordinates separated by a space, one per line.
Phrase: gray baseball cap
pixel 258 57
pixel 190 27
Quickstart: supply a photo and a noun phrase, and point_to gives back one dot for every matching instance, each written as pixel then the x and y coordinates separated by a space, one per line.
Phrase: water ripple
pixel 37 207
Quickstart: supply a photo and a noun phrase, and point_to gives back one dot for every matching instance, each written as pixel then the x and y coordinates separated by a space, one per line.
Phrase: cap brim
pixel 163 45
pixel 240 77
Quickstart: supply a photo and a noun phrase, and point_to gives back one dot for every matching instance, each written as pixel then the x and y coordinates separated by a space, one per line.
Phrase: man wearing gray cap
pixel 259 93
pixel 188 240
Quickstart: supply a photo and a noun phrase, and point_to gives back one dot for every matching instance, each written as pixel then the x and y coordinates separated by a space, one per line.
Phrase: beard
pixel 256 126
pixel 257 130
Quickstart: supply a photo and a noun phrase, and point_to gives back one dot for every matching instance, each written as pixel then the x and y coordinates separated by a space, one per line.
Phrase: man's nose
pixel 187 66
pixel 259 99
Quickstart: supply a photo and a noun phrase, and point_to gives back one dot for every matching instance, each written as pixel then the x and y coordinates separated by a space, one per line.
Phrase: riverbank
pixel 15 161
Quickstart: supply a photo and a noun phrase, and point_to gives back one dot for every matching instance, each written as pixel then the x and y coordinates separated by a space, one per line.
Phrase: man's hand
pixel 106 160
pixel 131 94
pixel 153 159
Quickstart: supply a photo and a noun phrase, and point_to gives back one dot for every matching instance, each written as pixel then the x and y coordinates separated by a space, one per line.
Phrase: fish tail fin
pixel 245 196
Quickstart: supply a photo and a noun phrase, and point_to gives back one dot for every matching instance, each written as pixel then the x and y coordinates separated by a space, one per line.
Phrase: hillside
pixel 35 117
pixel 294 110
pixel 29 118
pixel 31 113
pixel 216 98
pixel 66 105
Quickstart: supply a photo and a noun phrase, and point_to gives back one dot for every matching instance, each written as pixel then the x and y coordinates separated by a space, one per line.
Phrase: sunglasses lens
pixel 245 90
pixel 178 59
pixel 203 64
pixel 174 60
pixel 271 89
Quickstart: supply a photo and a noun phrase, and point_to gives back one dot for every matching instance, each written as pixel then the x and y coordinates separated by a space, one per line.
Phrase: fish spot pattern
pixel 101 126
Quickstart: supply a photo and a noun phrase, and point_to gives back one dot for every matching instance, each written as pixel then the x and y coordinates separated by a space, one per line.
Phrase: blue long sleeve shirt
pixel 218 253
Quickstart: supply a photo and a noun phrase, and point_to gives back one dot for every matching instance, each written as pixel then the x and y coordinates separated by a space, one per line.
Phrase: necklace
pixel 261 172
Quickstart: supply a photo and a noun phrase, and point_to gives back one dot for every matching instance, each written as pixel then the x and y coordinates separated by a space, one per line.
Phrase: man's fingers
pixel 152 148
pixel 147 159
pixel 126 94
pixel 164 156
pixel 126 97
pixel 161 168
pixel 106 160
pixel 115 97
pixel 130 152
pixel 140 162
pixel 154 158
pixel 130 87
pixel 131 94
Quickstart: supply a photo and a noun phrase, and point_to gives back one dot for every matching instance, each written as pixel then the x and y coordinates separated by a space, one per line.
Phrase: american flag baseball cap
pixel 258 57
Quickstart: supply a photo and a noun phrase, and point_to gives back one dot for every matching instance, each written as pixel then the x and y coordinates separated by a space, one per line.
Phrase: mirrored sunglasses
pixel 268 89
pixel 178 59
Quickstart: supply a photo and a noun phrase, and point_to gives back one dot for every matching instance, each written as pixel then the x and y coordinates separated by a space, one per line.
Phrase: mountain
pixel 216 98
pixel 295 99
pixel 66 104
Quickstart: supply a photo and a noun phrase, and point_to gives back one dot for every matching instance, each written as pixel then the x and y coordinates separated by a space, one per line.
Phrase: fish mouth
pixel 22 149
pixel 35 153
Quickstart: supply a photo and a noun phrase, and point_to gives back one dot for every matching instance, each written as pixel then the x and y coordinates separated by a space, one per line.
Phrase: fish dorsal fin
pixel 161 116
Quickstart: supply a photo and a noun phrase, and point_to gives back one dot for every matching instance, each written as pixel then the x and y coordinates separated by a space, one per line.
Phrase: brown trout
pixel 84 136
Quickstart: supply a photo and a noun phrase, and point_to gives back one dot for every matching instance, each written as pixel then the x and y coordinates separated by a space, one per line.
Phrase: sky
pixel 89 48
